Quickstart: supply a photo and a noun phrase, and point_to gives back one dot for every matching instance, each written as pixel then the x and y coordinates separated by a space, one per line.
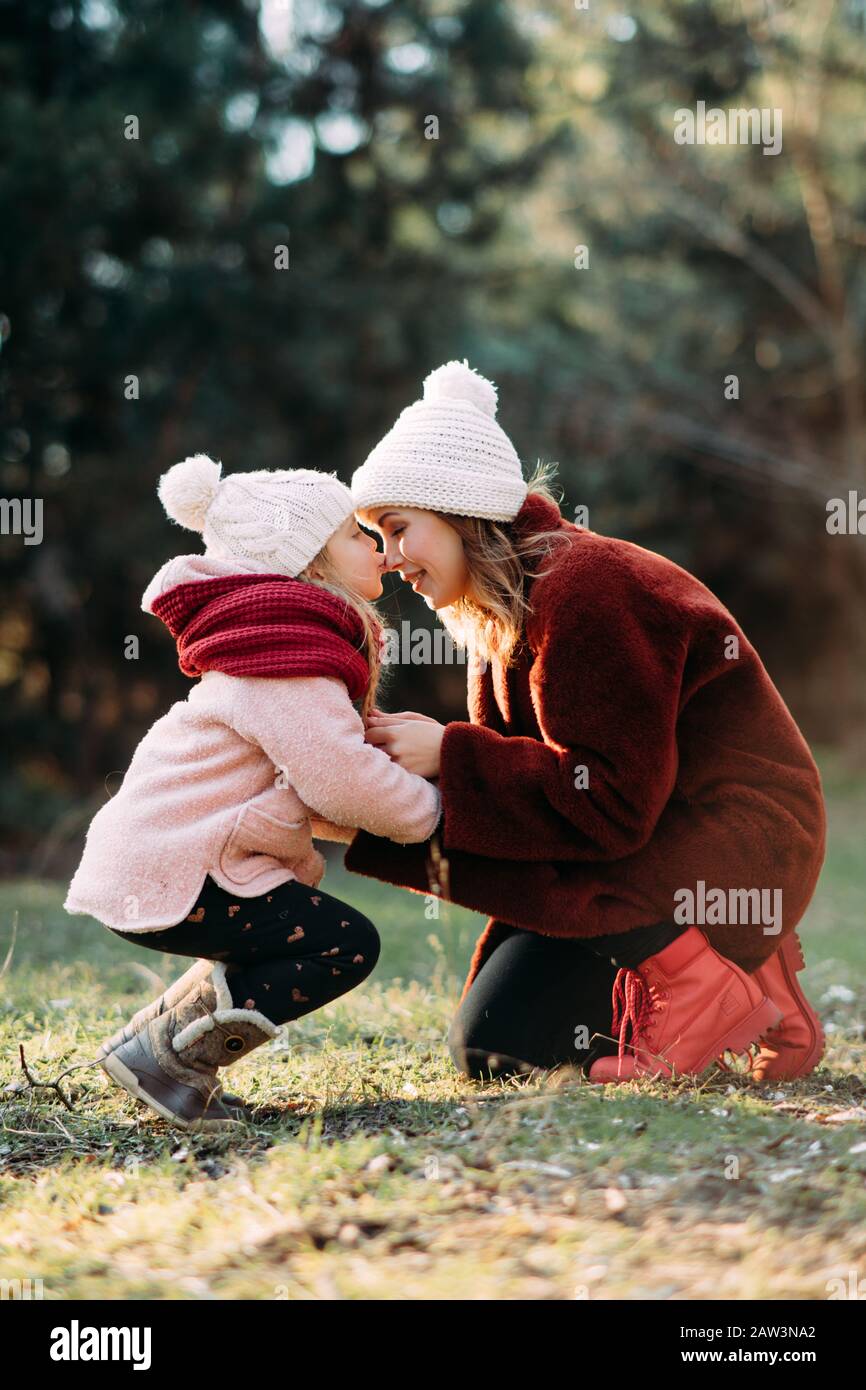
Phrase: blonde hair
pixel 493 621
pixel 331 580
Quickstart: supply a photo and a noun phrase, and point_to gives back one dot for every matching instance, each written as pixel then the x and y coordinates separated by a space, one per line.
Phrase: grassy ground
pixel 378 1172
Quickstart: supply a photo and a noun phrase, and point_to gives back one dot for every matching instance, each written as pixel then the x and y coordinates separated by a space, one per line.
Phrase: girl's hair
pixel 333 582
pixel 499 565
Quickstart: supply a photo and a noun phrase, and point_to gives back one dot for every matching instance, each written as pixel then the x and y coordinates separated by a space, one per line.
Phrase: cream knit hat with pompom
pixel 446 453
pixel 274 520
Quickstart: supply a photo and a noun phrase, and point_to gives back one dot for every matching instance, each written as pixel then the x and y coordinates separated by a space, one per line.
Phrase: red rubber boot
pixel 684 1006
pixel 794 1046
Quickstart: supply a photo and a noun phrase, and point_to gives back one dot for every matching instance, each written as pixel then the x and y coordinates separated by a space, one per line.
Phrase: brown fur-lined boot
pixel 171 1063
pixel 197 971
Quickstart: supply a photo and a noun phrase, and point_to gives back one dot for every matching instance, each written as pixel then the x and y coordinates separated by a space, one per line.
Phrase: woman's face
pixel 426 550
pixel 356 557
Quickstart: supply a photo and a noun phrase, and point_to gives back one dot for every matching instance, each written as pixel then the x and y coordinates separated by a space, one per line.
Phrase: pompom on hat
pixel 272 520
pixel 446 453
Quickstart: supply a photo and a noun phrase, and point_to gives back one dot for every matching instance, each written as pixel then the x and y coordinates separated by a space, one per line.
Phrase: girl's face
pixel 426 550
pixel 354 554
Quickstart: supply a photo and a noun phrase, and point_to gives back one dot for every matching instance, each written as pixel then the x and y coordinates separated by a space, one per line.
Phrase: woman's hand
pixel 412 740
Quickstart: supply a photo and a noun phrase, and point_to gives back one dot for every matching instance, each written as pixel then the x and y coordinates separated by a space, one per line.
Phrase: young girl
pixel 630 787
pixel 207 848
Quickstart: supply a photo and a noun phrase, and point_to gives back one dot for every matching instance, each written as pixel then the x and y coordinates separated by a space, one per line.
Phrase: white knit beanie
pixel 446 453
pixel 275 520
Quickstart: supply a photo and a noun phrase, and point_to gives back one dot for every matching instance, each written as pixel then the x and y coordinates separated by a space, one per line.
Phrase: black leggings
pixel 286 953
pixel 535 1003
pixel 537 1000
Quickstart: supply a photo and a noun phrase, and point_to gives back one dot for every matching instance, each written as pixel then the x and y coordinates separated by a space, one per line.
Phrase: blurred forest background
pixel 306 124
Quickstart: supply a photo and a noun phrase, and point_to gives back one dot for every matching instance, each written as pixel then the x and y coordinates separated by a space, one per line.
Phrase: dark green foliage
pixel 155 258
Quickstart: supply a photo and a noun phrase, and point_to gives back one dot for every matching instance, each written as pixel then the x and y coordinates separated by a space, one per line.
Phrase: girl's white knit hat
pixel 446 453
pixel 275 520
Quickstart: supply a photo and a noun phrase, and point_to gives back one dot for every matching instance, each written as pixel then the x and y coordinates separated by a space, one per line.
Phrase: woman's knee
pixel 466 1041
pixel 474 1057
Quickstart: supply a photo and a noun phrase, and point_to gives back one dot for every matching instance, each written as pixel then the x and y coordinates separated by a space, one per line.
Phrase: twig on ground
pixel 50 1085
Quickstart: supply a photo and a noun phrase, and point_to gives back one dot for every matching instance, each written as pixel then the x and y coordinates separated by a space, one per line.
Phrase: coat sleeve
pixel 605 685
pixel 311 732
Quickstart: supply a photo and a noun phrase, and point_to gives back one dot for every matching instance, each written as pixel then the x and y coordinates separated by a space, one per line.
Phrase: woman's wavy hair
pixel 500 563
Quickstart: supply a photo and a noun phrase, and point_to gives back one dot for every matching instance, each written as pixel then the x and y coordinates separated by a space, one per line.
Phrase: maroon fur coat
pixel 696 768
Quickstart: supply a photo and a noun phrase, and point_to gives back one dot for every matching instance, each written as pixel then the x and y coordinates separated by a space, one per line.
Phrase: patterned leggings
pixel 286 953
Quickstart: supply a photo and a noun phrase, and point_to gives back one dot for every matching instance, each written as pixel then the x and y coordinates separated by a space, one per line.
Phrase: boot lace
pixel 634 1001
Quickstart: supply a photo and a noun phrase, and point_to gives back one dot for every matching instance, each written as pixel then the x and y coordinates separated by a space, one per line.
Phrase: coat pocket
pixel 261 842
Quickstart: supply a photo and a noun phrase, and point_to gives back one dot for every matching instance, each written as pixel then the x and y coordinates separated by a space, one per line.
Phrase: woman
pixel 630 793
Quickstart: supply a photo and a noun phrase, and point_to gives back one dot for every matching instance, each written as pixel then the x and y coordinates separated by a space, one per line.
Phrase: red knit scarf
pixel 264 625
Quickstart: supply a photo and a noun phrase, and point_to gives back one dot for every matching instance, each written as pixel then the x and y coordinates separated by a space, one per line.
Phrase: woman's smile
pixel 411 534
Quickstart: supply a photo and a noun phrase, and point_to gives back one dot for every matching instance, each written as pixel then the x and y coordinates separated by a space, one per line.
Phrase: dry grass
pixel 375 1171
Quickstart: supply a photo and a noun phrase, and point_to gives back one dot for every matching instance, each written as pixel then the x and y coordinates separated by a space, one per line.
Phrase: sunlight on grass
pixel 374 1170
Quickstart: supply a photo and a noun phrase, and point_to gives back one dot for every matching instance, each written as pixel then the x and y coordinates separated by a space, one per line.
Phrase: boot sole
pixel 130 1082
pixel 739 1039
pixel 793 960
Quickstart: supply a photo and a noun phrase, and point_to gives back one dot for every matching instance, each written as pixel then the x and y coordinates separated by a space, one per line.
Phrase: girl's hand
pixel 380 716
pixel 414 742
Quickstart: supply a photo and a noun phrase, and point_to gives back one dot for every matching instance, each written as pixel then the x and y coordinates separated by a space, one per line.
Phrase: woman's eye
pixel 397 530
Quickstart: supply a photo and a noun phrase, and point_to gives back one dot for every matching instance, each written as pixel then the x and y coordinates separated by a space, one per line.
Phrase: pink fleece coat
pixel 231 782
